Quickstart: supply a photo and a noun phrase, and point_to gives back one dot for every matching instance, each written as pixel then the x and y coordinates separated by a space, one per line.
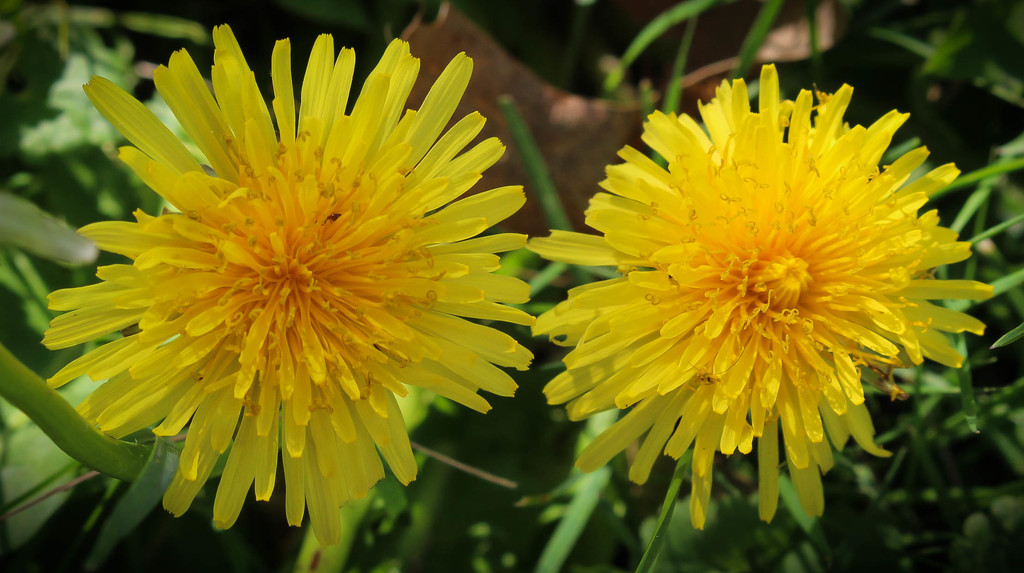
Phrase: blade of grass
pixel 900 149
pixel 999 286
pixel 978 198
pixel 984 194
pixel 810 525
pixel 536 168
pixel 650 558
pixel 584 501
pixel 537 172
pixel 647 97
pixel 755 37
pixel 1010 337
pixel 997 168
pixel 811 13
pixel 542 279
pixel 165 26
pixel 140 499
pixel 576 517
pixel 908 43
pixel 652 31
pixel 996 229
pixel 674 91
pixel 580 18
pixel 969 405
pixel 28 497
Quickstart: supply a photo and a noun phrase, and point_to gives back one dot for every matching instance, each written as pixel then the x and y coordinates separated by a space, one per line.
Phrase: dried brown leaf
pixel 577 136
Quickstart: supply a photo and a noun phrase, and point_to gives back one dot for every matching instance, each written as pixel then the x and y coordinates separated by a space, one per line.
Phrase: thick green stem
pixel 52 413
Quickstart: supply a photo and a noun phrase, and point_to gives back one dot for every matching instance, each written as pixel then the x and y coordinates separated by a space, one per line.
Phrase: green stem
pixel 68 430
pixel 650 558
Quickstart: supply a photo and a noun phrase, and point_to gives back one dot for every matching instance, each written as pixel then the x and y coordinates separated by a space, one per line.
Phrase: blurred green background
pixel 952 496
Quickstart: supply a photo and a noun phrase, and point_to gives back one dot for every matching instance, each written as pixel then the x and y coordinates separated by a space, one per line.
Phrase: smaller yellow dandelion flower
pixel 325 267
pixel 762 269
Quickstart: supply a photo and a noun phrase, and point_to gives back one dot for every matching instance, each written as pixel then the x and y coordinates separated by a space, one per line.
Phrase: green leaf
pixel 1010 337
pixel 575 520
pixel 996 229
pixel 137 502
pixel 26 226
pixel 348 13
pixel 810 525
pixel 584 501
pixel 755 37
pixel 654 29
pixel 982 46
pixel 1000 167
pixel 970 406
pixel 166 26
pixel 76 122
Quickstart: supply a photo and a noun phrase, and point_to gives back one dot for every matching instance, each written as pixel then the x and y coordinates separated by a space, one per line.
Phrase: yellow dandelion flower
pixel 299 289
pixel 761 270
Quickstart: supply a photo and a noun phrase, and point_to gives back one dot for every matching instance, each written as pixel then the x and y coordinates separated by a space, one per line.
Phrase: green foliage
pixel 950 498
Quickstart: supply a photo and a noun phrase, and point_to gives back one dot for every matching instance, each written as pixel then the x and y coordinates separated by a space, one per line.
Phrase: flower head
pixel 319 271
pixel 769 263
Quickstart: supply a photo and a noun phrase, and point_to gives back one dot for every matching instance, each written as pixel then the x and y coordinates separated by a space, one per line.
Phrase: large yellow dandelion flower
pixel 299 289
pixel 762 269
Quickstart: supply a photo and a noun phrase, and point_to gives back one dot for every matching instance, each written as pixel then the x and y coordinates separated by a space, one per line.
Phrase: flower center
pixel 786 277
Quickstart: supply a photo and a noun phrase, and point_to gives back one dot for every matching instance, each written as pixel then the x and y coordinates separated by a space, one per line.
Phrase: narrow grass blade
pixel 900 149
pixel 999 286
pixel 540 177
pixel 652 31
pixel 140 499
pixel 674 92
pixel 971 205
pixel 996 229
pixel 1010 337
pixel 588 492
pixel 26 226
pixel 542 279
pixel 650 558
pixel 810 525
pixel 811 13
pixel 997 168
pixel 1005 283
pixel 576 517
pixel 755 37
pixel 165 26
pixel 908 43
pixel 29 496
pixel 970 406
pixel 580 19
pixel 536 169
